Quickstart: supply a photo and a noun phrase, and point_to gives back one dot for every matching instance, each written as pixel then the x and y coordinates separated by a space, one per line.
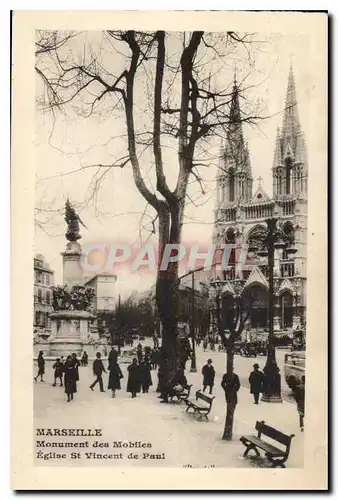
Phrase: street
pixel 175 437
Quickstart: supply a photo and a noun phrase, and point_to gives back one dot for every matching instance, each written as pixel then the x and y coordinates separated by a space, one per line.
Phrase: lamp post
pixel 217 284
pixel 193 368
pixel 273 240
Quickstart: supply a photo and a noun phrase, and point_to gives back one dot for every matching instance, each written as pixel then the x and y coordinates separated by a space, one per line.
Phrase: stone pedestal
pixel 72 268
pixel 70 332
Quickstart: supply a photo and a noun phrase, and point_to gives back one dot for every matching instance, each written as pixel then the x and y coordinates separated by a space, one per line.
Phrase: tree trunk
pixel 167 305
pixel 230 359
pixel 229 420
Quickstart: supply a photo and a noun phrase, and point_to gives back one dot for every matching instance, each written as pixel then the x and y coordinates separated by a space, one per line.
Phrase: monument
pixel 72 321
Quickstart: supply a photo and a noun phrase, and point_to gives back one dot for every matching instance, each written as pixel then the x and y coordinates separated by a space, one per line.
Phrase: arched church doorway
pixel 256 300
pixel 286 308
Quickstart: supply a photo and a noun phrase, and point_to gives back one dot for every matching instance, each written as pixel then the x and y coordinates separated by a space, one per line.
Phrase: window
pixel 48 297
pixel 231 185
pixel 39 296
pixel 288 167
pixel 47 279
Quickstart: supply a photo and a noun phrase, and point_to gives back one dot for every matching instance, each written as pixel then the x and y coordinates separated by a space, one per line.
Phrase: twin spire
pixel 290 141
pixel 235 174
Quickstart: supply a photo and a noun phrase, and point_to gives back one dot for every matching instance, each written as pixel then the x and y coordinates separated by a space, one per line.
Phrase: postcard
pixel 169 251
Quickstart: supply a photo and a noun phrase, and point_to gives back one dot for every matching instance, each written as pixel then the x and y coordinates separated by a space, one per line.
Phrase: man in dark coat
pixel 172 384
pixel 58 371
pixel 139 353
pixel 256 380
pixel 299 393
pixel 145 375
pixel 208 372
pixel 98 368
pixel 231 384
pixel 115 376
pixel 134 379
pixel 84 359
pixel 41 367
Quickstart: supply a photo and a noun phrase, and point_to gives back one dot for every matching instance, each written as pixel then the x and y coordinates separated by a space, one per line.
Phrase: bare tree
pixel 163 90
pixel 239 307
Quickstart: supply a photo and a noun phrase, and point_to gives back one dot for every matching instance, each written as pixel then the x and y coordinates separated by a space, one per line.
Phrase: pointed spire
pixel 291 124
pixel 278 154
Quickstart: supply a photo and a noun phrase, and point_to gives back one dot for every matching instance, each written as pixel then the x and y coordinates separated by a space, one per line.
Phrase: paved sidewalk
pixel 182 439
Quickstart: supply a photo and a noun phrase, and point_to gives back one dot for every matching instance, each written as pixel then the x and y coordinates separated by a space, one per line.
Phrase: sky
pixel 116 211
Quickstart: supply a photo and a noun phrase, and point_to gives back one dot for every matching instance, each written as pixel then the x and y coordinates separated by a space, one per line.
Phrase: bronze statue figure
pixel 72 219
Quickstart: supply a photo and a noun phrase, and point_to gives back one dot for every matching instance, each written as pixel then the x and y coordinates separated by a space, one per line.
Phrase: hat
pixel 209 360
pixel 256 365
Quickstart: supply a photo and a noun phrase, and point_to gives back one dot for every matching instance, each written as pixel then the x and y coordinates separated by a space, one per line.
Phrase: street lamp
pixel 217 284
pixel 193 367
pixel 272 240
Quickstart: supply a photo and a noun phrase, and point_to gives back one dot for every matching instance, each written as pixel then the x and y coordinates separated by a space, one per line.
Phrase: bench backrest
pixel 273 433
pixel 204 397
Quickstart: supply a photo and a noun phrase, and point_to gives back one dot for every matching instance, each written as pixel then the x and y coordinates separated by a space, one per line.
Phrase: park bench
pixel 275 455
pixel 202 409
pixel 181 395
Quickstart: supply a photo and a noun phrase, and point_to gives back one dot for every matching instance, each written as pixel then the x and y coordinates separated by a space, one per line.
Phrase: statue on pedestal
pixel 72 219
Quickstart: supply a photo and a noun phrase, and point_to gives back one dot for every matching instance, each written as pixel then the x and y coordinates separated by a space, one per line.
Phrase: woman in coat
pixel 134 379
pixel 145 368
pixel 41 367
pixel 115 376
pixel 70 370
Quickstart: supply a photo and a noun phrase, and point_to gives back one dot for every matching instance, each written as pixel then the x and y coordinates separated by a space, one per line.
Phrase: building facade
pixel 240 219
pixel 105 300
pixel 43 295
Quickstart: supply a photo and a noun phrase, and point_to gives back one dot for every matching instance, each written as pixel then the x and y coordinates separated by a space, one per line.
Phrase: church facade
pixel 241 215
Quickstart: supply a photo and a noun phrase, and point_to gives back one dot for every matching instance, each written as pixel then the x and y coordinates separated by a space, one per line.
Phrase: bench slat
pixel 272 450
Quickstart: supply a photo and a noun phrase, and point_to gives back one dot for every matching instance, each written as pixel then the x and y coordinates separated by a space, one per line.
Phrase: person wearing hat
pixel 256 380
pixel 208 372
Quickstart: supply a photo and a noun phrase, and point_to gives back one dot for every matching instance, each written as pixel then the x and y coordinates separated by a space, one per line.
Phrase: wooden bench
pixel 181 395
pixel 202 409
pixel 276 456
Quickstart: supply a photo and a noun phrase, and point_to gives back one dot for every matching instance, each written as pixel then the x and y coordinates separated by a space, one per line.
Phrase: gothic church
pixel 240 217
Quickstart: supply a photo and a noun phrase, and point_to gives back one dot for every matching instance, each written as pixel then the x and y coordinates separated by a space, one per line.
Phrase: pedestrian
pixel 76 364
pixel 299 393
pixel 139 353
pixel 205 345
pixel 134 382
pixel 256 381
pixel 230 384
pixel 58 371
pixel 112 357
pixel 145 375
pixel 41 367
pixel 69 369
pixel 84 359
pixel 115 375
pixel 98 369
pixel 208 372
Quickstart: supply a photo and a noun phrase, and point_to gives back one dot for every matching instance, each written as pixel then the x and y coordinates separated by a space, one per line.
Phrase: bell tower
pixel 290 166
pixel 234 176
